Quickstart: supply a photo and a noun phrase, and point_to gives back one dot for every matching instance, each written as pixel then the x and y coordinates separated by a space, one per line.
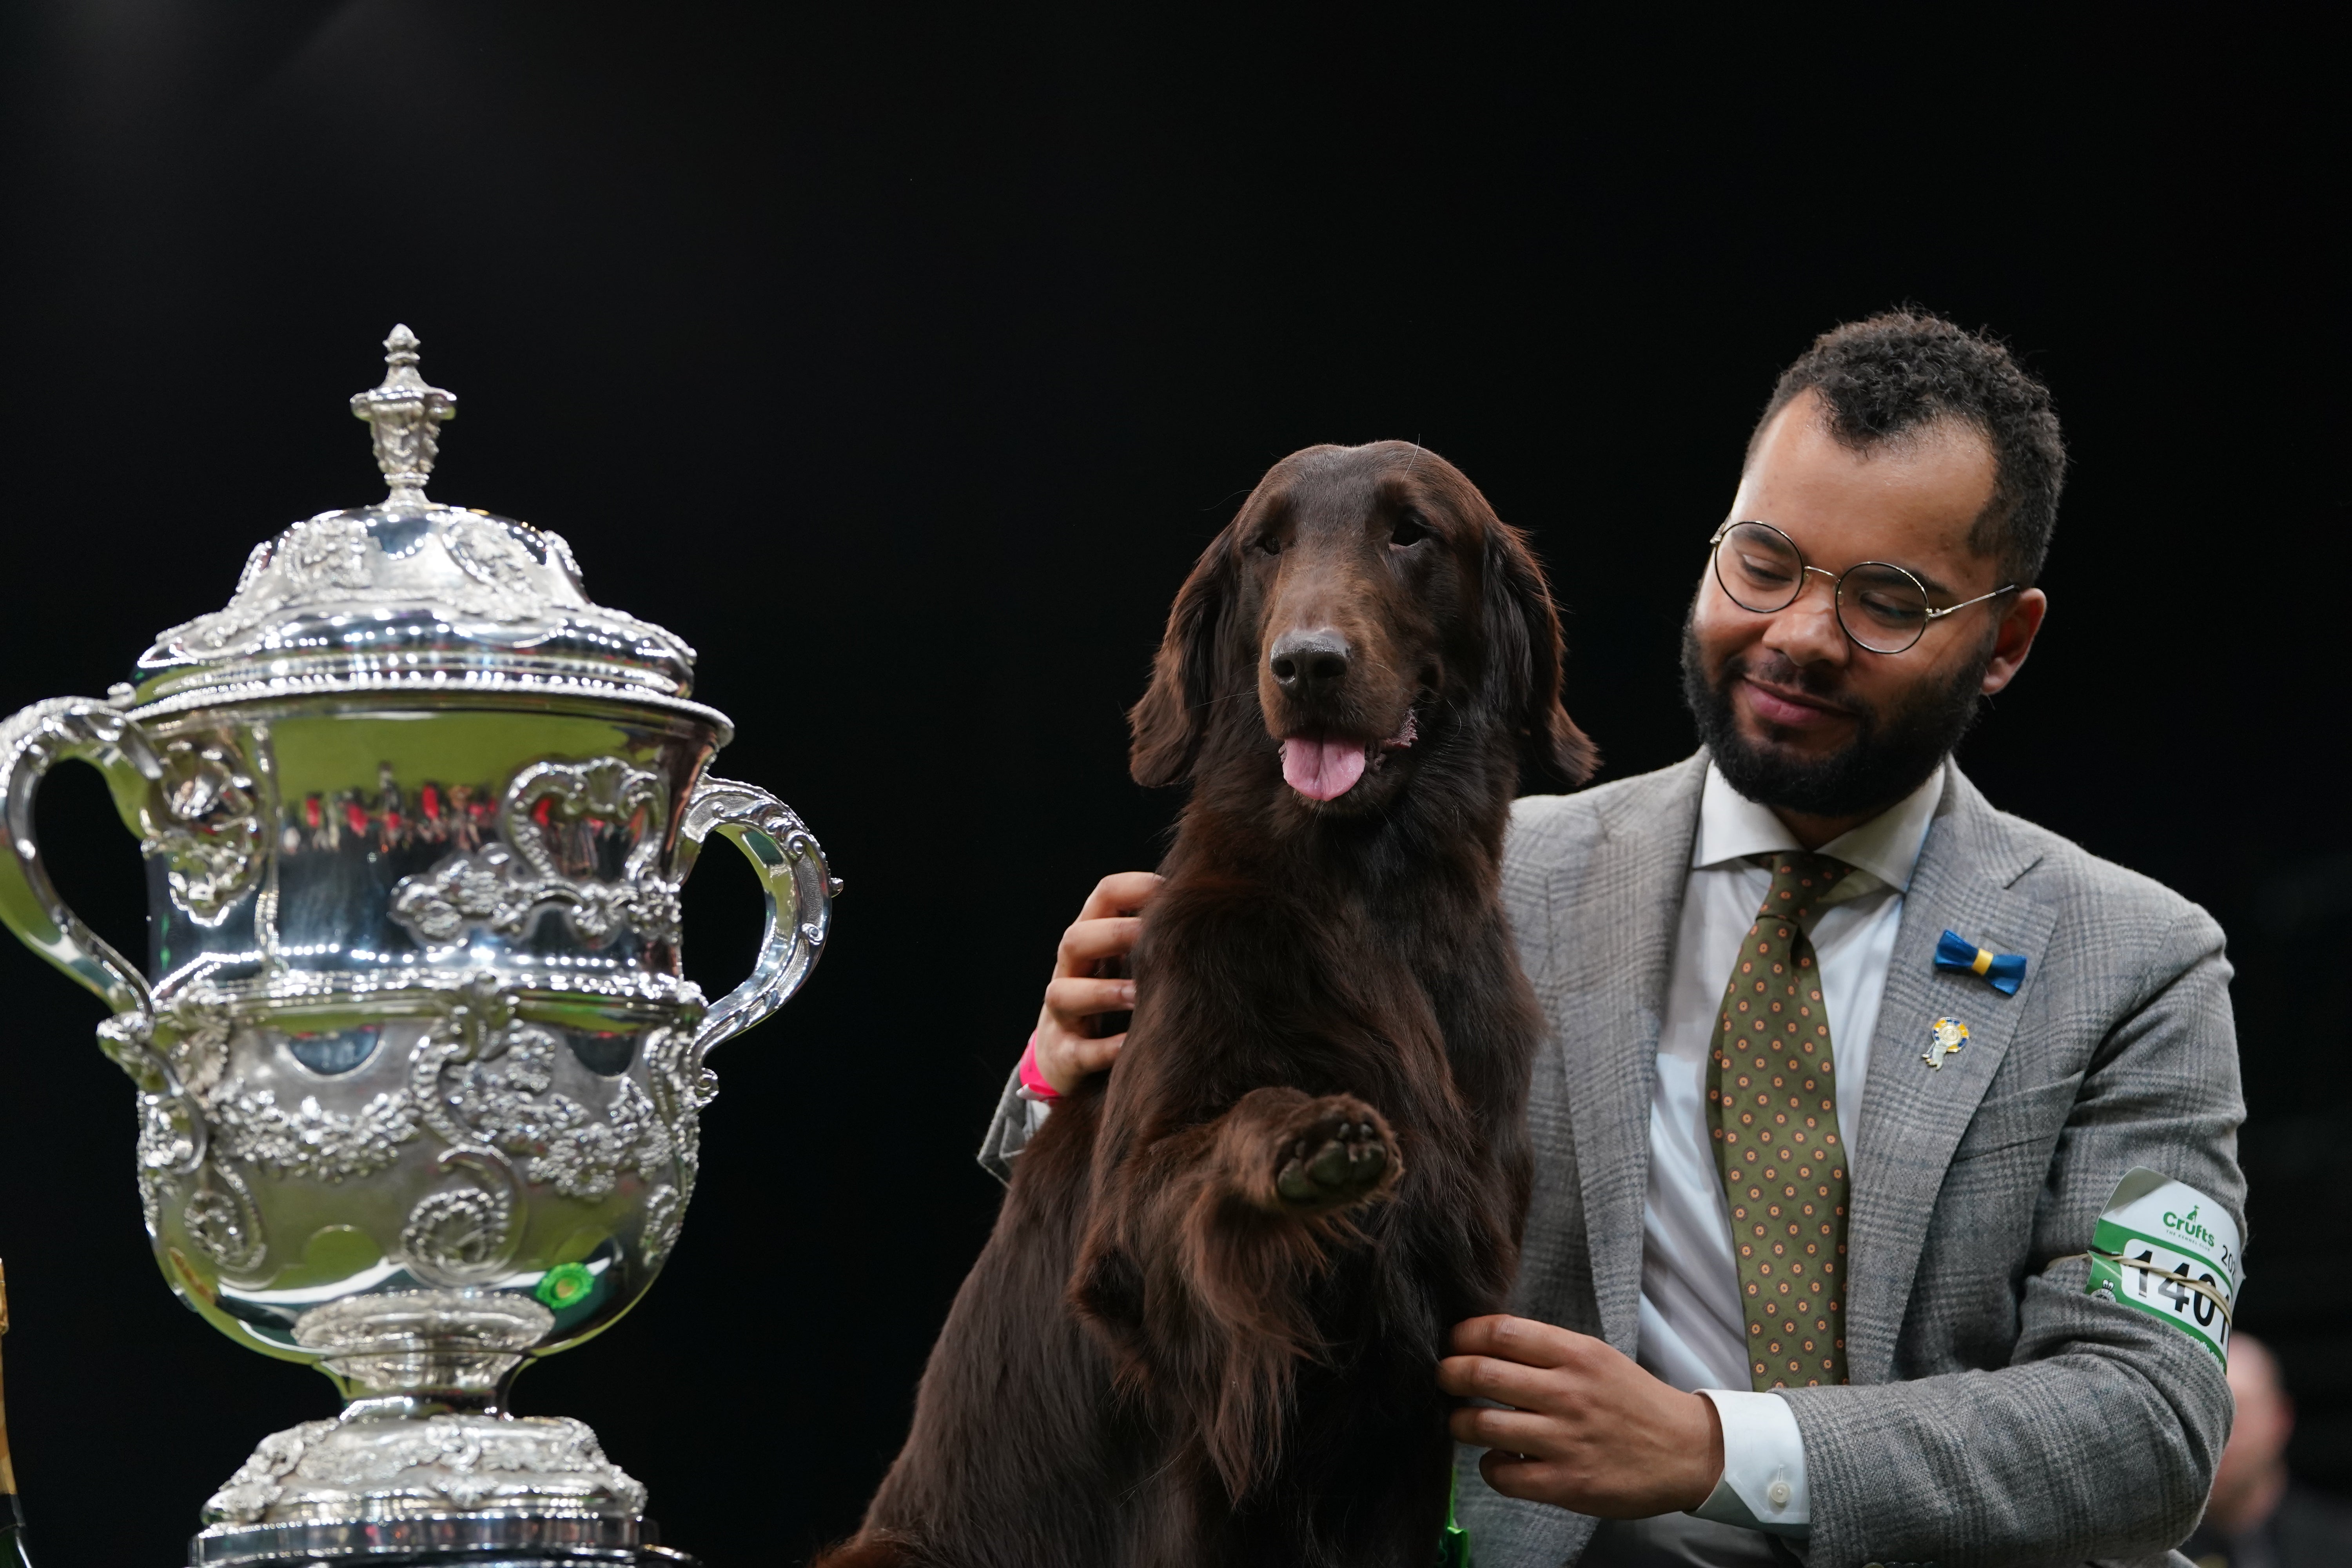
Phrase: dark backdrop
pixel 904 363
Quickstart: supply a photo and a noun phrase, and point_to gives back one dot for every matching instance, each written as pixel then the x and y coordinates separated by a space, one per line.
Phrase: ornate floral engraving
pixel 189 1108
pixel 126 1040
pixel 682 1087
pixel 323 555
pixel 256 1484
pixel 221 1219
pixel 203 817
pixel 310 1140
pixel 394 1468
pixel 461 1235
pixel 195 1030
pixel 459 1232
pixel 510 1101
pixel 665 1217
pixel 321 558
pixel 489 552
pixel 563 825
pixel 172 1136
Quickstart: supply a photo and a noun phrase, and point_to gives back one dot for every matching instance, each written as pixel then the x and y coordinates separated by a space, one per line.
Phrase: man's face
pixel 1797 715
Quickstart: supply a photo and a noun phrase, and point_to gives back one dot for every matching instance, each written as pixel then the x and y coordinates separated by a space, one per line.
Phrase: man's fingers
pixel 1505 1382
pixel 1521 1340
pixel 1514 1475
pixel 1067 1059
pixel 1512 1431
pixel 1111 936
pixel 1092 1057
pixel 1121 893
pixel 1072 997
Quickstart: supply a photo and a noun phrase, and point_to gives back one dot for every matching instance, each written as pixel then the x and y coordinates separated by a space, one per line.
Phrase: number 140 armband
pixel 2163 1249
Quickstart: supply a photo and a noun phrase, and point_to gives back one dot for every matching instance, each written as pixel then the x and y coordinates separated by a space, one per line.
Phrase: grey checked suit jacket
pixel 1995 1415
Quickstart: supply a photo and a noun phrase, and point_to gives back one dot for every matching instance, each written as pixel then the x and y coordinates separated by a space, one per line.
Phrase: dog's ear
pixel 1168 724
pixel 1523 668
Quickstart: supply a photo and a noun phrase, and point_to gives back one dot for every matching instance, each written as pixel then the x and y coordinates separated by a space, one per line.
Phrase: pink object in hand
pixel 1032 1082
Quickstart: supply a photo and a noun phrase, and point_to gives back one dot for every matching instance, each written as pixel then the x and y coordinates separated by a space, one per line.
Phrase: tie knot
pixel 1800 880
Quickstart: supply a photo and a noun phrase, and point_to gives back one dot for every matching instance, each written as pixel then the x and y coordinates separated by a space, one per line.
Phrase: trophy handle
pixel 800 888
pixel 64 729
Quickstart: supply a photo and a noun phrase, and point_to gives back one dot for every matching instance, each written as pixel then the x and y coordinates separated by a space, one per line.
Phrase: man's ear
pixel 1168 724
pixel 1523 665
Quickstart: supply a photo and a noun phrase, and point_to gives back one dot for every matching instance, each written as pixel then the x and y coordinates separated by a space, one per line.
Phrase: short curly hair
pixel 1882 378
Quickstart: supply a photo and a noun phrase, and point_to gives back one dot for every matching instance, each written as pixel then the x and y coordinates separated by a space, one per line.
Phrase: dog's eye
pixel 1270 543
pixel 1409 531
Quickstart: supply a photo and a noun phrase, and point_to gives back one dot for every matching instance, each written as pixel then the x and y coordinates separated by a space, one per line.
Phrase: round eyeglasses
pixel 1881 607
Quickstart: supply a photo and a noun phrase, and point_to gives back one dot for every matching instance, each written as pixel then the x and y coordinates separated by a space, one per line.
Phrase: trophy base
pixel 479 1540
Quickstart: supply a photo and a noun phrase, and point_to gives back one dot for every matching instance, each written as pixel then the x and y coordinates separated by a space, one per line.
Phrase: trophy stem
pixel 417 1353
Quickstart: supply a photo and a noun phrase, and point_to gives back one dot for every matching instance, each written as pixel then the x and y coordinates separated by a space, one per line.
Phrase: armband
pixel 1034 1086
pixel 2165 1249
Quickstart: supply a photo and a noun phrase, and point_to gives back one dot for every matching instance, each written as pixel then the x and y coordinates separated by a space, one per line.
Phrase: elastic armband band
pixel 1032 1082
pixel 2122 1260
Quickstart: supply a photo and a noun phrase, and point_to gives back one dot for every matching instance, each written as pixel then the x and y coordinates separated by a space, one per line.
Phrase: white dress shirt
pixel 1693 1330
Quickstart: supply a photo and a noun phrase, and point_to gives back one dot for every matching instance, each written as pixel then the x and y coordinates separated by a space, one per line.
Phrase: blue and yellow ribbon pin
pixel 2005 970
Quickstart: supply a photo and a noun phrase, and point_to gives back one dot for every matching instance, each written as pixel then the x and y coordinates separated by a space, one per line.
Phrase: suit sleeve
pixel 2099 1437
pixel 1015 1122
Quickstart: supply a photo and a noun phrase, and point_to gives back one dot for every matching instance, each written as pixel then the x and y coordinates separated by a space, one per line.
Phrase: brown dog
pixel 1205 1329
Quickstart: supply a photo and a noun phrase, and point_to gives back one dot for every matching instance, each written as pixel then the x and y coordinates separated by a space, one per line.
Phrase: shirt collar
pixel 1732 827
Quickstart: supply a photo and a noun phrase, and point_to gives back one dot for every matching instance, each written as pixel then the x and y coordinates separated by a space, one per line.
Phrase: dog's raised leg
pixel 1219 1232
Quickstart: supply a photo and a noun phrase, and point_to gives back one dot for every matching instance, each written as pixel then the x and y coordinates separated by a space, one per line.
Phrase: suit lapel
pixel 1611 978
pixel 1913 1115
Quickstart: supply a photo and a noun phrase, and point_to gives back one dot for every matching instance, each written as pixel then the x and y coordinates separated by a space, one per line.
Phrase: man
pixel 1729 1346
pixel 2258 1517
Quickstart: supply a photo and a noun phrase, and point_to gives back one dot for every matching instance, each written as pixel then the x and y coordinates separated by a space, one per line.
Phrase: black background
pixel 904 362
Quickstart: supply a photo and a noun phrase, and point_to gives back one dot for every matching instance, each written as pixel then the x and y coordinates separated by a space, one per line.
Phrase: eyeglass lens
pixel 1882 607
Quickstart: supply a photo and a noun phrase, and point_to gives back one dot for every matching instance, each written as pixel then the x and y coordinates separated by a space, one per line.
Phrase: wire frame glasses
pixel 1880 606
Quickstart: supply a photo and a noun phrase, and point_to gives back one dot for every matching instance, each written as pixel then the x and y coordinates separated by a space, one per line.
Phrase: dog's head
pixel 1379 613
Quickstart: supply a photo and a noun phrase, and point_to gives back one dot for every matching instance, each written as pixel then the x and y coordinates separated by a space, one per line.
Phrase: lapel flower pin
pixel 1946 1040
pixel 2005 970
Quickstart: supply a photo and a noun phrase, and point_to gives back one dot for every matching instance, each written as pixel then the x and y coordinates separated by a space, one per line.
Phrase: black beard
pixel 1891 754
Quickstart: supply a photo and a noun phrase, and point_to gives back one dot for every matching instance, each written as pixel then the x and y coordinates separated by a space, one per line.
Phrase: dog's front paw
pixel 1337 1152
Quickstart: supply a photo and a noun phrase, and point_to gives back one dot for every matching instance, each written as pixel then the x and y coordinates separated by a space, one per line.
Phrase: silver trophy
pixel 419 1079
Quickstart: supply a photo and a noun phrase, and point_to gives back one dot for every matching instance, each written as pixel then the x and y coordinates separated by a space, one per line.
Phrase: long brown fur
pixel 1205 1328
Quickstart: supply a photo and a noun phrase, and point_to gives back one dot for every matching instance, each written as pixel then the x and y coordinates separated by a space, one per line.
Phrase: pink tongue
pixel 1321 770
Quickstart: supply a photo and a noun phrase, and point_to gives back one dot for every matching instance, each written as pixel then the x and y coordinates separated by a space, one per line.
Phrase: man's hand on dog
pixel 1106 929
pixel 1588 1429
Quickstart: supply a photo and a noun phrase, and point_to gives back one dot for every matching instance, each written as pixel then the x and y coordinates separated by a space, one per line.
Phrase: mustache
pixel 1777 669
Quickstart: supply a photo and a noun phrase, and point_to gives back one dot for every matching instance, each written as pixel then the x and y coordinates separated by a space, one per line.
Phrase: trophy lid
pixel 409 594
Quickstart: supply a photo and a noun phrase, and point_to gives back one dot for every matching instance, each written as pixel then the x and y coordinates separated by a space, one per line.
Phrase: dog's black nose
pixel 1305 662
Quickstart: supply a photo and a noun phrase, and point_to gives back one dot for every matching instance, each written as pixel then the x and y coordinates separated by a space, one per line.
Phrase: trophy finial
pixel 403 413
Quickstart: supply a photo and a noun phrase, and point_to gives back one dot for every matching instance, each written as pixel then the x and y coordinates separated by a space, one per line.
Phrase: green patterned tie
pixel 1773 1109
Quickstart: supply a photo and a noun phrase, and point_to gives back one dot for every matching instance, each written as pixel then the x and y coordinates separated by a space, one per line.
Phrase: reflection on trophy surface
pixel 418 1079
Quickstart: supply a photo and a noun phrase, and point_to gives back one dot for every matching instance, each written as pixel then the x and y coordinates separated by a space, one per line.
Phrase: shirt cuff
pixel 1034 1114
pixel 1763 1484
